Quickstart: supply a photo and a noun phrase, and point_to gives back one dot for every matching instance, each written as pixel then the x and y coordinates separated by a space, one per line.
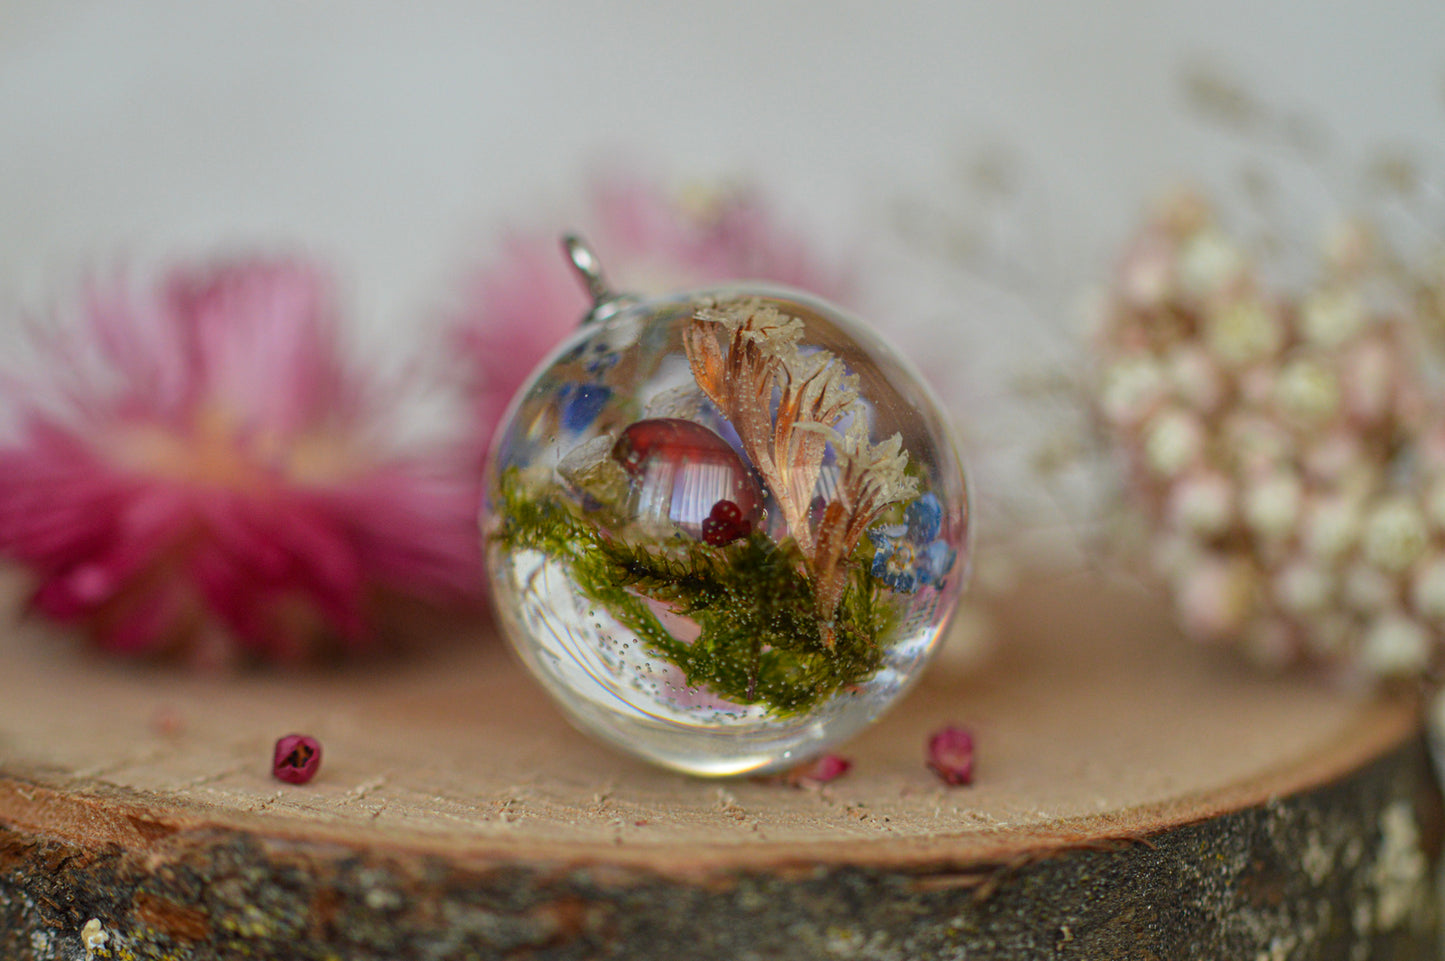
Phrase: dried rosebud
pixel 811 774
pixel 950 755
pixel 298 757
pixel 819 771
pixel 168 722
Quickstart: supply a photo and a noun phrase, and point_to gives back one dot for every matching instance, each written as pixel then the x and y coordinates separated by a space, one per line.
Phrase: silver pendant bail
pixel 605 300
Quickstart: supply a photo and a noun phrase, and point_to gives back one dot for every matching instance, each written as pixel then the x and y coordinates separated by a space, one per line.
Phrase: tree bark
pixel 1135 798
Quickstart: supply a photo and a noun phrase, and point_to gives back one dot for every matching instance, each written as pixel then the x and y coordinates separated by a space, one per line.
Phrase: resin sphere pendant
pixel 725 528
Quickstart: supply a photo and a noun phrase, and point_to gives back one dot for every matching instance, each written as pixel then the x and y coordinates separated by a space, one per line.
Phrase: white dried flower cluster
pixel 1281 447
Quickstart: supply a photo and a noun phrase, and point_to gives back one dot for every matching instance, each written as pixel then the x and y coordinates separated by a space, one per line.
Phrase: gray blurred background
pixel 979 162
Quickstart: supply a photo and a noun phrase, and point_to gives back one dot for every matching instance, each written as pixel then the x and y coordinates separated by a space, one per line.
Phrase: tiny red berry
pixel 298 756
pixel 950 755
pixel 725 524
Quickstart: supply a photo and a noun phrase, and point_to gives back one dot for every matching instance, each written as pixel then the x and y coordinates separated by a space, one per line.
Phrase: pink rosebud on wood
pixel 167 722
pixel 819 771
pixel 298 757
pixel 950 755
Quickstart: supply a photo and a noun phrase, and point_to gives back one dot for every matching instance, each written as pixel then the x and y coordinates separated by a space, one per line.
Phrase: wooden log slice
pixel 1134 798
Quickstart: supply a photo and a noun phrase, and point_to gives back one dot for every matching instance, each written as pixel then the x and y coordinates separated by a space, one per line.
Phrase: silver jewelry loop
pixel 605 300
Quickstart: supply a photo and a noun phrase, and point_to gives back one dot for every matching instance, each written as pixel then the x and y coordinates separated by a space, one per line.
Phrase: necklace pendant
pixel 725 528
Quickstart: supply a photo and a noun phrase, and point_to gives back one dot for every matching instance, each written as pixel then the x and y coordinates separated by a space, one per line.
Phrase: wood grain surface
pixel 1134 797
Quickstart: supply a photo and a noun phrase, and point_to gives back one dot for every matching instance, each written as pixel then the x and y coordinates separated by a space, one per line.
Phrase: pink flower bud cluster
pixel 1281 447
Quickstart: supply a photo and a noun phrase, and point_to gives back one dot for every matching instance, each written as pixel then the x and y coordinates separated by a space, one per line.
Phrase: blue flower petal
pixel 581 403
pixel 906 582
pixel 914 547
pixel 935 562
pixel 880 564
pixel 924 517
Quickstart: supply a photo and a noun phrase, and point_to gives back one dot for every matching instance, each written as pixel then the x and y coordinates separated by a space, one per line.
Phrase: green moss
pixel 759 640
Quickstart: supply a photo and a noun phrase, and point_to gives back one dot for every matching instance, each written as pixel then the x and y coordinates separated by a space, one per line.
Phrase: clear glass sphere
pixel 725 529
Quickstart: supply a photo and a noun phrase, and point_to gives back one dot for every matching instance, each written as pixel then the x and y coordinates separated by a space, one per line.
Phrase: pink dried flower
pixel 950 755
pixel 517 307
pixel 1215 596
pixel 819 771
pixel 1278 446
pixel 167 721
pixel 201 474
pixel 297 759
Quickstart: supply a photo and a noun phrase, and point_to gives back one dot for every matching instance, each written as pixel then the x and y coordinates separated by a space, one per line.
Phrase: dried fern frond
pixel 787 405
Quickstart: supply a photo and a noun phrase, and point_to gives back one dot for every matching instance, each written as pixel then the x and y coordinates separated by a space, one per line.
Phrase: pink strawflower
pixel 950 755
pixel 517 307
pixel 196 471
